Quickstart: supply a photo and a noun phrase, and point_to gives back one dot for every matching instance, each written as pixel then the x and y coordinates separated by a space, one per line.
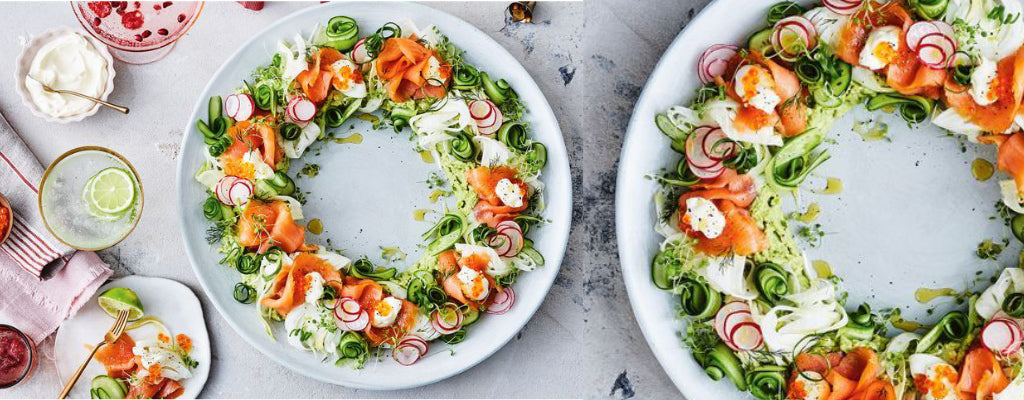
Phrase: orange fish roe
pixel 154 373
pixel 163 338
pixel 797 391
pixel 5 221
pixel 239 168
pixel 184 342
pixel 945 376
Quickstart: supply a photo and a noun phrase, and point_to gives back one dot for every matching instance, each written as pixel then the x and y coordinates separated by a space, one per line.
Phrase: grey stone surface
pixel 591 60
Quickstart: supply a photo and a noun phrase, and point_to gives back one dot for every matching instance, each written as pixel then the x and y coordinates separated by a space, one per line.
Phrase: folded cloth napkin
pixel 37 307
pixel 34 305
pixel 30 245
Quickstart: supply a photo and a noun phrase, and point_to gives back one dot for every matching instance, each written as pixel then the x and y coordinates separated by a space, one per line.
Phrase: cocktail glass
pixel 66 213
pixel 137 32
pixel 17 356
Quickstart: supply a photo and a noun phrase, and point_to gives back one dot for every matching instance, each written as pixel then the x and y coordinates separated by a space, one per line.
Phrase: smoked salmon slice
pixel 997 117
pixel 365 291
pixel 404 323
pixel 246 136
pixel 854 34
pixel 316 80
pixel 117 357
pixel 731 193
pixel 264 225
pixel 981 375
pixel 490 209
pixel 739 189
pixel 404 64
pixel 291 283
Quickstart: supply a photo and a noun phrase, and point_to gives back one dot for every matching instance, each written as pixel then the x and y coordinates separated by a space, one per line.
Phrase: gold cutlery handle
pixel 121 109
pixel 78 373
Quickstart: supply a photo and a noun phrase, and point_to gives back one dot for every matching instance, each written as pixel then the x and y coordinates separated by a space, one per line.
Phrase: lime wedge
pixel 111 191
pixel 116 299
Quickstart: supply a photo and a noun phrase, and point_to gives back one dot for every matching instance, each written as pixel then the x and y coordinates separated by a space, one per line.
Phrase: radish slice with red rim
pixel 514 233
pixel 406 354
pixel 1000 336
pixel 843 7
pixel 726 310
pixel 231 106
pixel 360 323
pixel 416 342
pixel 447 320
pixel 487 116
pixel 503 301
pixel 717 146
pixel 302 110
pixel 746 336
pixel 708 173
pixel 794 35
pixel 240 192
pixel 917 31
pixel 501 243
pixel 223 189
pixel 695 153
pixel 715 61
pixel 359 54
pixel 246 107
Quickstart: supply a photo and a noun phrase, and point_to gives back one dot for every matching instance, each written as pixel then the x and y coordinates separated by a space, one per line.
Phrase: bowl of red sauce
pixel 17 356
pixel 6 218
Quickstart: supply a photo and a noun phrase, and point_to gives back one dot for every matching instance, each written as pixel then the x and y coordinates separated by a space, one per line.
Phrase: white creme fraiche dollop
pixel 705 217
pixel 509 193
pixel 68 62
pixel 981 82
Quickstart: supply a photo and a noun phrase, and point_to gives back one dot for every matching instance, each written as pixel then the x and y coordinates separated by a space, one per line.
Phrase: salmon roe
pixel 184 342
pixel 5 221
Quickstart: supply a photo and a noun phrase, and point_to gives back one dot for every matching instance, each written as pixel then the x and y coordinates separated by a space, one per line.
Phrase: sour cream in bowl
pixel 69 60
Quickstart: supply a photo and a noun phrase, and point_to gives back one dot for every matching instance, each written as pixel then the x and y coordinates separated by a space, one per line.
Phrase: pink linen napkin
pixel 37 307
pixel 34 305
pixel 30 245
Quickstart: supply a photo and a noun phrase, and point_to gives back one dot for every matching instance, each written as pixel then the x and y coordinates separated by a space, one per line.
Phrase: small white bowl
pixel 24 64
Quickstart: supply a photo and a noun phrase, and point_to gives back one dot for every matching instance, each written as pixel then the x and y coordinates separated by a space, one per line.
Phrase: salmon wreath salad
pixel 417 82
pixel 757 312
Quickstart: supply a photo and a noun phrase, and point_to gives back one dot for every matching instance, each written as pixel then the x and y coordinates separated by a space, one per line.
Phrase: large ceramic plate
pixel 176 306
pixel 910 214
pixel 366 195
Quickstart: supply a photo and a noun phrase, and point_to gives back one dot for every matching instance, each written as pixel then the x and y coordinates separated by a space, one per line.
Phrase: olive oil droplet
pixel 419 214
pixel 982 169
pixel 354 138
pixel 436 194
pixel 832 186
pixel 315 226
pixel 925 295
pixel 822 268
pixel 427 157
pixel 810 214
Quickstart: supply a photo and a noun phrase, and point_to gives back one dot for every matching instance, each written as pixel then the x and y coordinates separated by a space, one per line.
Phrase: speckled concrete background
pixel 591 60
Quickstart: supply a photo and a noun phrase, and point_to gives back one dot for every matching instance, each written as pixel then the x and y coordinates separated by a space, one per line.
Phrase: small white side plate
pixel 176 306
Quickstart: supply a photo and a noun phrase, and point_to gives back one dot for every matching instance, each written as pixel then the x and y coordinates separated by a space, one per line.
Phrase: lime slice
pixel 117 299
pixel 111 191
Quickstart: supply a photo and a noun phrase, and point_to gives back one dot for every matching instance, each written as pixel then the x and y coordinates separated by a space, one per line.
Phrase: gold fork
pixel 112 335
pixel 121 109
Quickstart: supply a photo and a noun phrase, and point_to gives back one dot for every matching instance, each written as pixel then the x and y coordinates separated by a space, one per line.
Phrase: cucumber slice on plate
pixel 470 316
pixel 761 41
pixel 105 387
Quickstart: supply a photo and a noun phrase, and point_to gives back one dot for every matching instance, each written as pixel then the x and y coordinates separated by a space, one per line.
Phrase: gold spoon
pixel 112 335
pixel 121 109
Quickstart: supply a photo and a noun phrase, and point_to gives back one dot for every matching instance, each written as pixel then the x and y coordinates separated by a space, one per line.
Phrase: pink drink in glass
pixel 137 32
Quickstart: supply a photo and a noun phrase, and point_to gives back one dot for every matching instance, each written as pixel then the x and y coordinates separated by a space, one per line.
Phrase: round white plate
pixel 910 214
pixel 366 195
pixel 175 305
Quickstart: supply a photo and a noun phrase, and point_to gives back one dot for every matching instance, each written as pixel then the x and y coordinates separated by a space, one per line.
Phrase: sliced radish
pixel 503 302
pixel 746 336
pixel 347 309
pixel 843 7
pixel 406 354
pixel 706 173
pixel 694 147
pixel 240 192
pixel 416 342
pixel 917 31
pixel 717 146
pixel 301 110
pixel 715 61
pixel 487 116
pixel 359 55
pixel 1000 336
pixel 246 107
pixel 223 190
pixel 723 313
pixel 231 106
pixel 790 30
pixel 514 233
pixel 447 320
pixel 360 323
pixel 501 243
